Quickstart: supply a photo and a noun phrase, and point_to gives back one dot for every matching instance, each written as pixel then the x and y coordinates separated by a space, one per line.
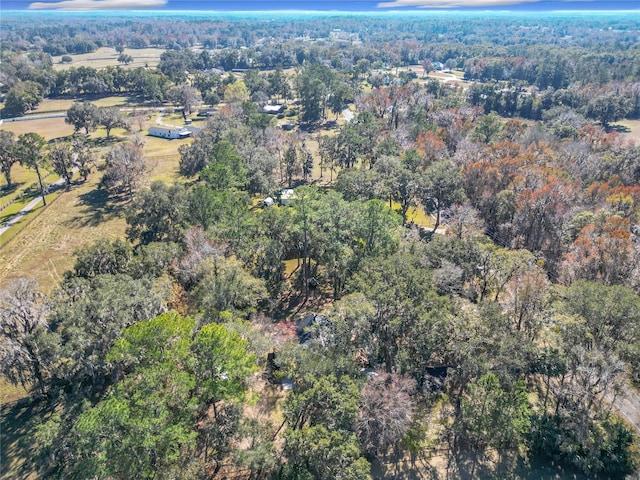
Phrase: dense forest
pixel 461 276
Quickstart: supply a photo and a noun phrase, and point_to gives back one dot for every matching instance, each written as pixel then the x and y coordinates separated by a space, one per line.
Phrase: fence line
pixel 22 194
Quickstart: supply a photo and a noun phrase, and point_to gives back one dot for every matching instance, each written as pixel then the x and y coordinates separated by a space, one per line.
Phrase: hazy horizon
pixel 325 6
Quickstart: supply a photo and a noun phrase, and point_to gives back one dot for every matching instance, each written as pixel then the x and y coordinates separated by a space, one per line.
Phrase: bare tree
pixel 463 221
pixel 23 318
pixel 139 118
pixel 386 411
pixel 593 378
pixel 125 169
pixel 188 270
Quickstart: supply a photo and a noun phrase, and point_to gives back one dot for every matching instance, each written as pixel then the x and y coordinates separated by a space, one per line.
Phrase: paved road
pixel 33 117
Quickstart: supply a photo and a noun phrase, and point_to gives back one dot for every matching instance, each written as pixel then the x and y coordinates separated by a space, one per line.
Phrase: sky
pixel 325 5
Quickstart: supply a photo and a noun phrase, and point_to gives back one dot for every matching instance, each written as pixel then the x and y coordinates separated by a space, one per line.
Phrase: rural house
pixel 170 132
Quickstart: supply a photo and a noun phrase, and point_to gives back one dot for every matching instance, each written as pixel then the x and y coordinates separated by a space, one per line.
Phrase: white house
pixel 170 132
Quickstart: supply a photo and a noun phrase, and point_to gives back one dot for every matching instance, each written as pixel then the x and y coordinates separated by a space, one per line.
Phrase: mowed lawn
pixel 21 178
pixel 106 56
pixel 164 159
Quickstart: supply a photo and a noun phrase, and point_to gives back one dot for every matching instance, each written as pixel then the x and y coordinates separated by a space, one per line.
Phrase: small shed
pixel 268 202
pixel 169 132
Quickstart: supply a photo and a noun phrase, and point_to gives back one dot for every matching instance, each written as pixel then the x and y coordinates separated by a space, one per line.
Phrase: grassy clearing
pixel 174 118
pixel 21 178
pixel 630 129
pixel 72 219
pixel 105 57
pixel 26 219
pixel 164 157
pixel 62 104
pixel 17 227
pixel 49 128
pixel 14 208
pixel 19 197
pixel 45 249
pixel 115 101
pixel 291 266
pixel 416 215
pixel 10 393
pixel 52 105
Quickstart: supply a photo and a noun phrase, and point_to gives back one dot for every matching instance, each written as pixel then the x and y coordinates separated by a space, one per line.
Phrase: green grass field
pixel 415 215
pixel 21 178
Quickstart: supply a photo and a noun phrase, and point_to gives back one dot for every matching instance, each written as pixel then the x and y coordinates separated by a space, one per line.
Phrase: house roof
pixel 272 108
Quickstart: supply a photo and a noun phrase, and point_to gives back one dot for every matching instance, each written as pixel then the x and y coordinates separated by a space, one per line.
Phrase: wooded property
pixel 294 246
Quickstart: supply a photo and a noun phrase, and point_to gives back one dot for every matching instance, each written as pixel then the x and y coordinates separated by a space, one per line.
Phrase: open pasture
pixel 44 250
pixel 52 105
pixel 106 57
pixel 49 128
